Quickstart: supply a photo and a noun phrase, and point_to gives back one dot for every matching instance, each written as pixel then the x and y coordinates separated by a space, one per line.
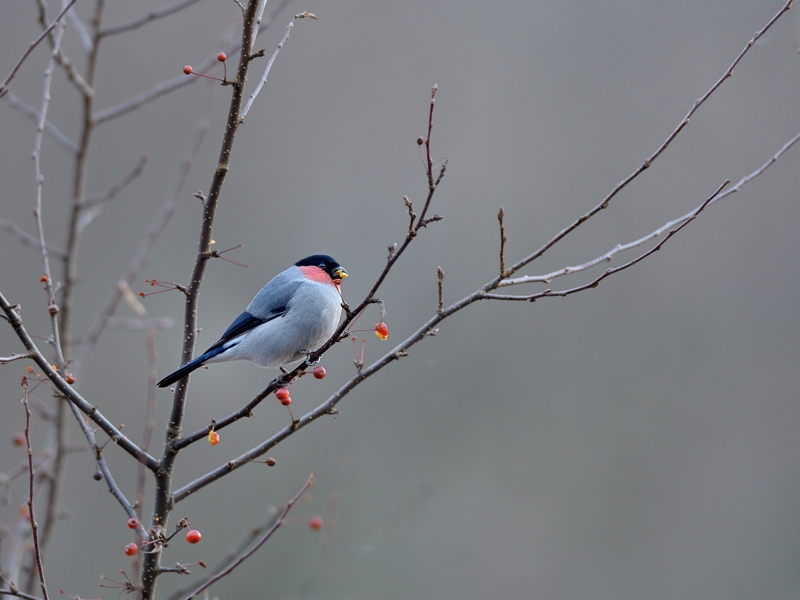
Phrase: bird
pixel 295 313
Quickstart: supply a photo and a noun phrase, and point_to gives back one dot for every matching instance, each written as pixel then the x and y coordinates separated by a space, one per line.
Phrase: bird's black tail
pixel 183 371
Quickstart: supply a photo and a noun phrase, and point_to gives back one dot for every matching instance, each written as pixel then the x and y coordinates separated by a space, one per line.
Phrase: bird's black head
pixel 324 262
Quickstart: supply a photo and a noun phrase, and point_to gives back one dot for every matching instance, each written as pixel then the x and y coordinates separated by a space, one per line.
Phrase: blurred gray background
pixel 635 441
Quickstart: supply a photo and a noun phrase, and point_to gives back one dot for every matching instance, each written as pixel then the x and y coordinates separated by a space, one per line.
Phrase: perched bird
pixel 295 313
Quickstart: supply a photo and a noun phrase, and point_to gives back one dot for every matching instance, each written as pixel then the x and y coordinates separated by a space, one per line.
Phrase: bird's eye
pixel 321 266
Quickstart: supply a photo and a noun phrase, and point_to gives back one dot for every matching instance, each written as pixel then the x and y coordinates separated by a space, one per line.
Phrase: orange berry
pixel 131 549
pixel 221 57
pixel 18 438
pixel 43 278
pixel 320 372
pixel 382 331
pixel 281 393
pixel 133 523
pixel 187 70
pixel 213 438
pixel 70 379
pixel 286 401
pixel 29 369
pixel 315 523
pixel 193 536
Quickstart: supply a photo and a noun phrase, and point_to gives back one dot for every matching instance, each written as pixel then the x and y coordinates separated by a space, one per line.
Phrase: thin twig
pixel 653 234
pixel 608 272
pixel 27 239
pixel 117 187
pixel 649 160
pixel 267 70
pixel 31 46
pixel 176 82
pixel 33 114
pixel 144 19
pixel 254 549
pixel 4 360
pixel 145 247
pixel 500 216
pixel 32 473
pixel 70 393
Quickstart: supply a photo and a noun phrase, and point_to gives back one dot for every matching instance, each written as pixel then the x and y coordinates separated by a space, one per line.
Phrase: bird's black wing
pixel 243 323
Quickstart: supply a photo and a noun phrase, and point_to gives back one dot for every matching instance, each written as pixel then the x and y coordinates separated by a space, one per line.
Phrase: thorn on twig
pixel 258 54
pixel 440 274
pixel 200 196
pixel 500 216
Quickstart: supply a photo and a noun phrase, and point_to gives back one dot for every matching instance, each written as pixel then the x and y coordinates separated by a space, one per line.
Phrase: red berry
pixel 286 401
pixel 131 549
pixel 193 536
pixel 319 372
pixel 133 523
pixel 18 438
pixel 315 523
pixel 221 57
pixel 281 393
pixel 382 331
pixel 213 438
pixel 187 70
pixel 43 278
pixel 70 379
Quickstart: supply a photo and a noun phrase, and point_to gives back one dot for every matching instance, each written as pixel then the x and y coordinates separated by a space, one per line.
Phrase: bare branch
pixel 31 46
pixel 608 272
pixel 653 234
pixel 117 187
pixel 31 476
pixel 440 274
pixel 145 247
pixel 261 542
pixel 69 393
pixel 33 114
pixel 172 84
pixel 144 19
pixel 266 71
pixel 500 216
pixel 648 161
pixel 4 360
pixel 27 239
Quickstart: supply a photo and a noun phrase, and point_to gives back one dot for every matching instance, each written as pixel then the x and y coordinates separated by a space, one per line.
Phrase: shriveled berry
pixel 97 475
pixel 193 536
pixel 320 372
pixel 52 309
pixel 213 438
pixel 315 523
pixel 382 331
pixel 270 462
pixel 187 70
pixel 131 549
pixel 133 523
pixel 70 379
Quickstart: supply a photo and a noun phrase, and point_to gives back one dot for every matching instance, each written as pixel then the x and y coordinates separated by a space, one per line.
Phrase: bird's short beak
pixel 341 273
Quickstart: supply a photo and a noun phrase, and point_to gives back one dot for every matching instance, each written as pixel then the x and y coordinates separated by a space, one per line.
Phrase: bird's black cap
pixel 324 262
